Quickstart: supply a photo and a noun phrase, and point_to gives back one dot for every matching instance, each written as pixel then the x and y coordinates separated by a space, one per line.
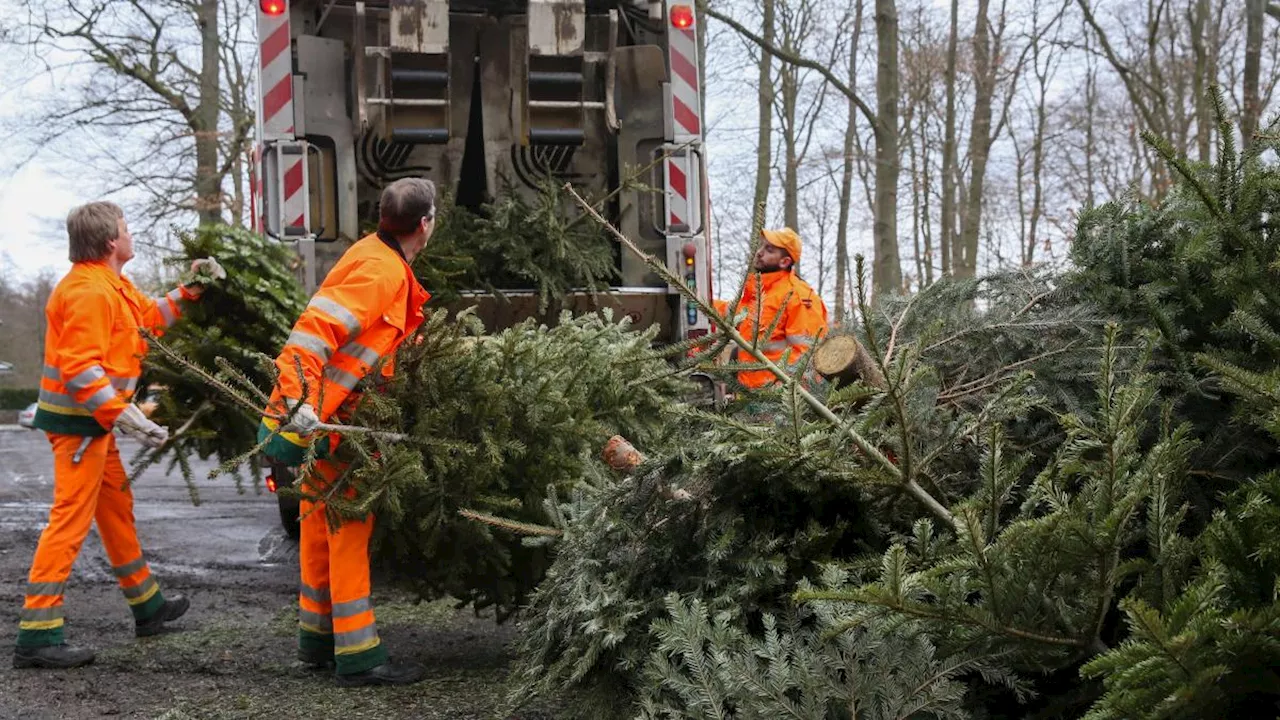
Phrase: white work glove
pixel 208 267
pixel 304 420
pixel 138 426
pixel 203 272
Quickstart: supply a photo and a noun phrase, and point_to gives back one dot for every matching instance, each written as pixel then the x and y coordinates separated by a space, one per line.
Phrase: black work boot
pixel 172 609
pixel 385 674
pixel 60 657
pixel 317 659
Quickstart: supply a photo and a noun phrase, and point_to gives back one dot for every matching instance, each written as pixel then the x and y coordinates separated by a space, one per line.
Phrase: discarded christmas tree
pixel 238 324
pixel 493 425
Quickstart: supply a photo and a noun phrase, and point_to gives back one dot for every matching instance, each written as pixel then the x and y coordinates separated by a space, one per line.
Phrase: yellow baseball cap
pixel 787 239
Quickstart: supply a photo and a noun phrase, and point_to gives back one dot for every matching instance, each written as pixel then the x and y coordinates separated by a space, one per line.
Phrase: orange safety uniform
pixel 369 303
pixel 803 321
pixel 92 360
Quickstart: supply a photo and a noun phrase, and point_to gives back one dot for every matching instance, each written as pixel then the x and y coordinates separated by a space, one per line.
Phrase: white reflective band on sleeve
pixel 307 341
pixel 341 377
pixel 87 378
pixel 338 312
pixel 100 398
pixel 166 311
pixel 360 352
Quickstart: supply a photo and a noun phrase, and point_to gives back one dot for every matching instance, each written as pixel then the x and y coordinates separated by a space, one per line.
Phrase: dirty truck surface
pixel 235 654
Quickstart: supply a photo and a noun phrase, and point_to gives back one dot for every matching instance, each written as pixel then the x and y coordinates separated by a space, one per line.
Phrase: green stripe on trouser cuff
pixel 147 609
pixel 352 663
pixel 314 642
pixel 40 638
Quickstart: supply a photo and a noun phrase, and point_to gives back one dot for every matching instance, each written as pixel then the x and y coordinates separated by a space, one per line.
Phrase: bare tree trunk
pixel 846 174
pixel 1199 17
pixel 764 136
pixel 1254 18
pixel 887 272
pixel 948 170
pixel 926 191
pixel 1090 146
pixel 964 260
pixel 790 138
pixel 237 191
pixel 204 122
pixel 914 171
pixel 1044 75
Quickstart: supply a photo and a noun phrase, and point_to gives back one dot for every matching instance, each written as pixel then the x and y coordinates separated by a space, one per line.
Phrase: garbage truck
pixel 487 98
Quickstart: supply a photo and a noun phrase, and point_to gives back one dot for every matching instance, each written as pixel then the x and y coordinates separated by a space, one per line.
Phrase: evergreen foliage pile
pixel 516 243
pixel 1100 448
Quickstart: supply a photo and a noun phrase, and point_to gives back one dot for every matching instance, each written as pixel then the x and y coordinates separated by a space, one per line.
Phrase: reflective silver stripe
pixel 355 637
pixel 40 614
pixel 341 377
pixel 320 595
pixel 166 311
pixel 339 313
pixel 124 384
pixel 175 295
pixel 316 620
pixel 364 354
pixel 310 342
pixel 350 608
pixel 59 399
pixel 100 398
pixel 130 568
pixel 52 373
pixel 46 588
pixel 86 378
pixel 140 589
pixel 774 345
pixel 800 339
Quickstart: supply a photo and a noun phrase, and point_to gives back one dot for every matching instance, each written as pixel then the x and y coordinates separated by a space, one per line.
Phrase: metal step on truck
pixel 485 98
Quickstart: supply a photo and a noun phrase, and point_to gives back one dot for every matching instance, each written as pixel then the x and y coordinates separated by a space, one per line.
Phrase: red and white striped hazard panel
pixel 275 85
pixel 684 117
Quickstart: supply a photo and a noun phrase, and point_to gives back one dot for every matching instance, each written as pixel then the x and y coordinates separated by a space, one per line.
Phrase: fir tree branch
pixel 914 611
pixel 515 526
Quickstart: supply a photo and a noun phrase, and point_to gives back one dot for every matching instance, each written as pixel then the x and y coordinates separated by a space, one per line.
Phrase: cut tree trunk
pixel 843 360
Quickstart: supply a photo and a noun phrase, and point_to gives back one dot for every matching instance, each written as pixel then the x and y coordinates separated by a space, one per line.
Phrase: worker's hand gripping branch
pixel 204 272
pixel 135 424
pixel 303 419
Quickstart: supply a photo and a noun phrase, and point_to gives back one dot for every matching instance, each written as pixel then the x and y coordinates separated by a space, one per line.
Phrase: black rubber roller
pixel 420 136
pixel 554 78
pixel 556 136
pixel 411 76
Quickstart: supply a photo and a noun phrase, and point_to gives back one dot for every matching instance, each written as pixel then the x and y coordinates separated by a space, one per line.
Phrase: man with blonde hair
pixel 92 359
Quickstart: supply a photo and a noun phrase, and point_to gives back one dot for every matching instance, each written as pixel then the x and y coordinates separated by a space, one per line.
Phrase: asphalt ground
pixel 233 655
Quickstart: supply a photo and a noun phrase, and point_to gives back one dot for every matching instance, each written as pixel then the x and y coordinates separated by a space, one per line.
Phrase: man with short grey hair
pixel 368 305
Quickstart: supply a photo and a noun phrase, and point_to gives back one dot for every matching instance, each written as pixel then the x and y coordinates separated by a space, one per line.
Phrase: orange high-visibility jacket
pixel 803 321
pixel 368 304
pixel 92 349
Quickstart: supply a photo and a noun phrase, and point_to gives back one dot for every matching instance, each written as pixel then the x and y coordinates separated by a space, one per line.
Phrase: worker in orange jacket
pixel 369 303
pixel 781 293
pixel 92 360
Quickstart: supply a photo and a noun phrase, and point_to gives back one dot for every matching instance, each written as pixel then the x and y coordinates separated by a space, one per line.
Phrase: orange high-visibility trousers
pixel 334 612
pixel 93 489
